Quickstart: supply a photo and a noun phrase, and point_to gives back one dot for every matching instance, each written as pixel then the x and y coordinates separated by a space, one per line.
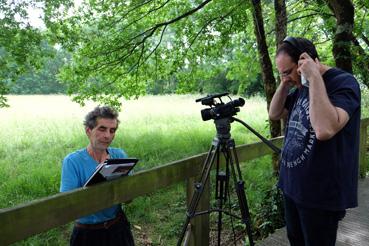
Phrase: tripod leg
pixel 199 188
pixel 221 195
pixel 240 190
pixel 244 209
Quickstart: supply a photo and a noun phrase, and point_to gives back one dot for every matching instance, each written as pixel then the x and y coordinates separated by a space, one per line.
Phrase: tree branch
pixel 144 35
pixel 208 23
pixel 365 39
pixel 158 44
pixel 124 15
pixel 108 52
pixel 136 7
pixel 307 27
pixel 313 11
pixel 364 62
pixel 149 32
pixel 306 16
pixel 137 64
pixel 146 14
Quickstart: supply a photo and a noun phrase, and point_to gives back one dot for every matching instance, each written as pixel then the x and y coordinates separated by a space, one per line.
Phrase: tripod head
pixel 223 127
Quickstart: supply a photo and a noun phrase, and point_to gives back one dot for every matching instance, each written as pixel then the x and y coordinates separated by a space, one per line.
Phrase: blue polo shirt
pixel 76 169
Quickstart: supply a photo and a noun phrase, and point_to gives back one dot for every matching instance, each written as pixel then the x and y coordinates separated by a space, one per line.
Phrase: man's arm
pixel 69 179
pixel 325 118
pixel 277 110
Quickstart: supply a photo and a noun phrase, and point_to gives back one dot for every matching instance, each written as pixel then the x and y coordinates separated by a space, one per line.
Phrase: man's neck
pixel 99 155
pixel 323 68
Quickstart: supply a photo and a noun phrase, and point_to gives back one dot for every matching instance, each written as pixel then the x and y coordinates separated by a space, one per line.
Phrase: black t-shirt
pixel 322 174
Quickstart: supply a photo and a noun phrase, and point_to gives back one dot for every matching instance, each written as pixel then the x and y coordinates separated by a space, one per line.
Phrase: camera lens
pixel 238 102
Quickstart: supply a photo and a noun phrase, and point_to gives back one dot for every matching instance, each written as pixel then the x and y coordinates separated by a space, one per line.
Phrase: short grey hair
pixel 99 112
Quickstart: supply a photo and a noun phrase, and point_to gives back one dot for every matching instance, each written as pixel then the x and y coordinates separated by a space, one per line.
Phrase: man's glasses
pixel 287 73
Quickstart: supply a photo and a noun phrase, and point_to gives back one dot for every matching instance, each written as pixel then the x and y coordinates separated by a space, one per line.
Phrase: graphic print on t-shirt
pixel 300 135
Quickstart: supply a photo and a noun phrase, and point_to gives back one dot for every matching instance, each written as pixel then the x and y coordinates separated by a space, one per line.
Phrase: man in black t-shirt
pixel 319 160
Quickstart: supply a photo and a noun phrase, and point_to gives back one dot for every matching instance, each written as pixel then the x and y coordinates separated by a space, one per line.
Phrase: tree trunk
pixel 361 60
pixel 281 32
pixel 343 10
pixel 266 66
pixel 280 20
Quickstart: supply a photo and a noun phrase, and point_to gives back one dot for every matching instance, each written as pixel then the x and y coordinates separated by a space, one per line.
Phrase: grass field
pixel 39 131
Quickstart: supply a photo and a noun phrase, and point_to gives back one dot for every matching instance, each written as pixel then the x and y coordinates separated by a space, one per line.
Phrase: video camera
pixel 219 110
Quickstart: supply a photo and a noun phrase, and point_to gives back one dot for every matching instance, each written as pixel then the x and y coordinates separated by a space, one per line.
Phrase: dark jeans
pixel 118 234
pixel 310 226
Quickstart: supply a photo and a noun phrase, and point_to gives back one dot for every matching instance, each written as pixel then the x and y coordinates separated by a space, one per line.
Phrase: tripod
pixel 222 142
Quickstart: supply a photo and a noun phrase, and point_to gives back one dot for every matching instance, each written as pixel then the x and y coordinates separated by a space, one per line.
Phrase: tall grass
pixel 38 131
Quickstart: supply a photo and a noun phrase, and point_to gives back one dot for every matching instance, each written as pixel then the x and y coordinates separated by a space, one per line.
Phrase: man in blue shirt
pixel 108 226
pixel 319 160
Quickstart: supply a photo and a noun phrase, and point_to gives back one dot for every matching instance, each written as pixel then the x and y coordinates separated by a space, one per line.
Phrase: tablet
pixel 111 169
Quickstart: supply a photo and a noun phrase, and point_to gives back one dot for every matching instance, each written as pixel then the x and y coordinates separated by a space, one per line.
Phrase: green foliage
pixel 12 63
pixel 126 47
pixel 20 44
pixel 242 66
pixel 3 91
pixel 219 84
pixel 270 213
pixel 364 102
pixel 361 52
pixel 158 87
pixel 43 80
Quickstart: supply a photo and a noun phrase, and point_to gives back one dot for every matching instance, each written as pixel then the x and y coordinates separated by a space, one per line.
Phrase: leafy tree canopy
pixel 119 47
pixel 42 80
pixel 126 48
pixel 19 43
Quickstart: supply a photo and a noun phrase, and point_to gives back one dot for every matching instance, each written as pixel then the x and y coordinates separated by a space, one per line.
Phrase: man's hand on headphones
pixel 307 67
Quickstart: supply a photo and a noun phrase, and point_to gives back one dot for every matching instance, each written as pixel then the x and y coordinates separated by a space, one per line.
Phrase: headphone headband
pixel 293 42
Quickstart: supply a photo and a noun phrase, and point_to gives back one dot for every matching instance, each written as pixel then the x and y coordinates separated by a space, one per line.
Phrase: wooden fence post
pixel 200 227
pixel 363 148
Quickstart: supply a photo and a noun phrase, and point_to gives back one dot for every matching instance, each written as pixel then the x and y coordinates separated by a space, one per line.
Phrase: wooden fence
pixel 22 221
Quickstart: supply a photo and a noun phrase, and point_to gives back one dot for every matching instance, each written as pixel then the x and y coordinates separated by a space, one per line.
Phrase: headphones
pixel 297 46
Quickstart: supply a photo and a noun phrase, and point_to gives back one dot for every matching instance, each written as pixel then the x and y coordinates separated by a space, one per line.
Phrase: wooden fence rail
pixel 22 221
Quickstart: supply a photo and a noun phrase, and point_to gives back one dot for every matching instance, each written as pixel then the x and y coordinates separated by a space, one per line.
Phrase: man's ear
pixel 88 131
